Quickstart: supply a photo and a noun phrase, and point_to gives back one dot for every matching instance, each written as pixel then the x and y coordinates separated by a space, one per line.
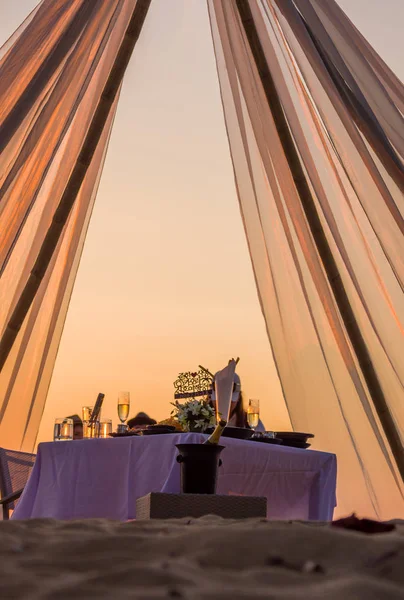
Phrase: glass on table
pixel 123 406
pixel 87 411
pixel 105 428
pixel 90 430
pixel 253 413
pixel 63 430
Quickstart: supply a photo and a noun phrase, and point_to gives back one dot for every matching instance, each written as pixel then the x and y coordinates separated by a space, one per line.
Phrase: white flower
pixel 182 419
pixel 197 414
pixel 194 407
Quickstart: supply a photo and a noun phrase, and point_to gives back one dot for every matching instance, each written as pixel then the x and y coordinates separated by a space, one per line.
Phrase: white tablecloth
pixel 103 478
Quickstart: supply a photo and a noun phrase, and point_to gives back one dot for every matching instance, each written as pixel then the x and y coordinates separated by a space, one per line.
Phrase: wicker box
pixel 177 506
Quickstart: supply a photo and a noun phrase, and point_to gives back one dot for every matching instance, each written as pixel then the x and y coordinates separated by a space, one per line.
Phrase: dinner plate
pixel 160 428
pixel 158 431
pixel 293 435
pixel 276 441
pixel 241 433
pixel 295 444
pixel 124 434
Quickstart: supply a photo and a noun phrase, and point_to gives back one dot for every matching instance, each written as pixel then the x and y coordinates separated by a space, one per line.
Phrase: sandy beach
pixel 203 558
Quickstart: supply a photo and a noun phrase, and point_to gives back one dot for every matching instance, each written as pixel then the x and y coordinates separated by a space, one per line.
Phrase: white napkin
pixel 224 381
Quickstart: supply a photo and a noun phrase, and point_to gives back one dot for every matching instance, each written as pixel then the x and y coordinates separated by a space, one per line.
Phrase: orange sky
pixel 165 282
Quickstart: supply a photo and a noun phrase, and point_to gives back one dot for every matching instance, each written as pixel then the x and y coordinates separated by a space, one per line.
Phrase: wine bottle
pixel 95 413
pixel 214 438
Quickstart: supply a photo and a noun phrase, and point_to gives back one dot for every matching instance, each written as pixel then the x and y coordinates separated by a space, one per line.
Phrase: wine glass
pixel 253 413
pixel 123 406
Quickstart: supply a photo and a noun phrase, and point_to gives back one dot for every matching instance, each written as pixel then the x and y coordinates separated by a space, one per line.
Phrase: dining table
pixel 102 478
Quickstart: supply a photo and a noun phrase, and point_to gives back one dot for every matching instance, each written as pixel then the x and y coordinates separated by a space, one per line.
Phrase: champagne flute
pixel 123 406
pixel 253 413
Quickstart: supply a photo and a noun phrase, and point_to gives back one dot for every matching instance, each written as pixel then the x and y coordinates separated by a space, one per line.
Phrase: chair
pixel 15 468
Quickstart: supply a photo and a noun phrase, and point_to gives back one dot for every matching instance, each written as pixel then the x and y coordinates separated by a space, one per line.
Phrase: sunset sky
pixel 165 282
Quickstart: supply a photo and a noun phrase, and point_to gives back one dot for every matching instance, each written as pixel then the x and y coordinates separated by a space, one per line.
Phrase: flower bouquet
pixel 194 415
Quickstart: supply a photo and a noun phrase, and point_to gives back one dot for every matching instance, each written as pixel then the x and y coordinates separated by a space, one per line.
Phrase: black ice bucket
pixel 199 464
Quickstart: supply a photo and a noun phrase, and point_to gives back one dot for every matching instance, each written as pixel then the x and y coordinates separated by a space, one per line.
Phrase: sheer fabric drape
pixel 350 143
pixel 52 73
pixel 344 108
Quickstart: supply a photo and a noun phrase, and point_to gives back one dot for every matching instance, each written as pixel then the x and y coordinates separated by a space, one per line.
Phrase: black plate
pixel 295 444
pixel 124 434
pixel 241 433
pixel 295 435
pixel 158 431
pixel 160 428
pixel 265 440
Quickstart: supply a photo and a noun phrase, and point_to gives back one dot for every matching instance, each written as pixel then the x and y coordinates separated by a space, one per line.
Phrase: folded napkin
pixel 224 381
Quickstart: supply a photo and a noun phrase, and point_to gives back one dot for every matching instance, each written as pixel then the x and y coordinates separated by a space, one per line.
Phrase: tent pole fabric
pixel 330 266
pixel 76 179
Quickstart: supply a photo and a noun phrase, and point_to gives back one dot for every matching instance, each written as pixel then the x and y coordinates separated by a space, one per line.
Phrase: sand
pixel 202 558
